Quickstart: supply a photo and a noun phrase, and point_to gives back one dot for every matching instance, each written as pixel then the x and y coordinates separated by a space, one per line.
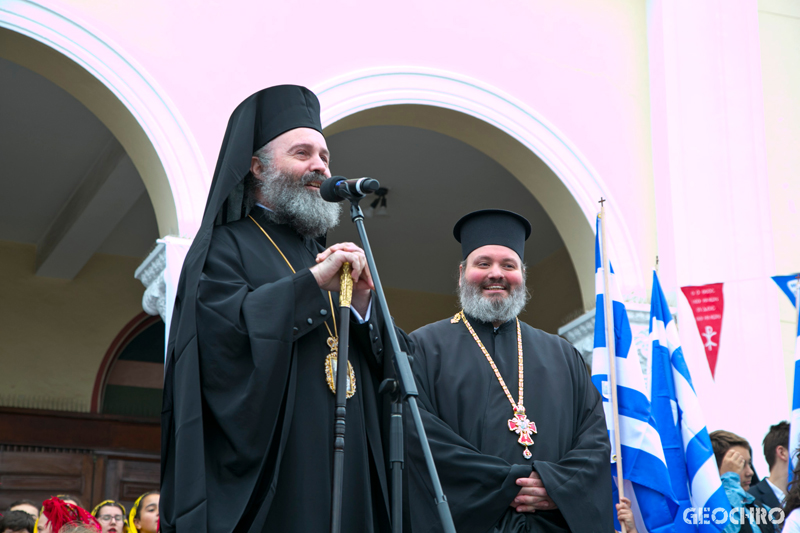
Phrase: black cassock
pixel 465 414
pixel 252 414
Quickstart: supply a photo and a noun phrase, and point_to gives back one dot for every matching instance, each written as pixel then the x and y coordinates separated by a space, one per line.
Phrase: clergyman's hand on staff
pixel 533 496
pixel 625 515
pixel 328 269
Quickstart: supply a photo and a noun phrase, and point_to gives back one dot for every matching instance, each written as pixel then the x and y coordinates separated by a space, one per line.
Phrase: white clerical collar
pixel 263 207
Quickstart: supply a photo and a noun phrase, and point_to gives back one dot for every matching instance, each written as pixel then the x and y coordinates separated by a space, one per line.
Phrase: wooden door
pixel 127 478
pixel 94 457
pixel 36 476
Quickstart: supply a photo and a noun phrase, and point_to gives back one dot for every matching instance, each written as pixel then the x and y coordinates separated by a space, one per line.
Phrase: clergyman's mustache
pixel 311 177
pixel 503 283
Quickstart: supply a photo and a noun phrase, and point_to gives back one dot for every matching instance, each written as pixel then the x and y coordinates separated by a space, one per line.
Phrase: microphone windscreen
pixel 369 185
pixel 328 189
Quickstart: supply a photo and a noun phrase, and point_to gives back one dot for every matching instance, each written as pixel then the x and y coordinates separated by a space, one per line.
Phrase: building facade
pixel 685 117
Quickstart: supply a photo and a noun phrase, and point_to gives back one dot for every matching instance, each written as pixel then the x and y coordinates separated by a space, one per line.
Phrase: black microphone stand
pixel 404 388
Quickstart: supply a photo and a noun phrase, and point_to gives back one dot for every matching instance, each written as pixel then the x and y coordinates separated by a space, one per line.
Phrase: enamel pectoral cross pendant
pixel 524 428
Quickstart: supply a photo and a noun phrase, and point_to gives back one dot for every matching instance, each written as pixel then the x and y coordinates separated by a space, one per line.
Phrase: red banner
pixel 707 304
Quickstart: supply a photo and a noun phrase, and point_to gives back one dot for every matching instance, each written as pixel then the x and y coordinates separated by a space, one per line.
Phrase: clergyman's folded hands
pixel 532 496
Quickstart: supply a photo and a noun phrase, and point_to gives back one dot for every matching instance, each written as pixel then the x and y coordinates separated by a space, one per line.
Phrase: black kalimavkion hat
pixel 255 122
pixel 492 226
pixel 282 108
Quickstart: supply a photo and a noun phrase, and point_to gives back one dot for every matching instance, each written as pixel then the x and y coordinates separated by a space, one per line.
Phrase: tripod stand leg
pixel 396 453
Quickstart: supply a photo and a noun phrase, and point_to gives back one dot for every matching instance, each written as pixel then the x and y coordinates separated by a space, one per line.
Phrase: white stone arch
pixel 362 90
pixel 172 166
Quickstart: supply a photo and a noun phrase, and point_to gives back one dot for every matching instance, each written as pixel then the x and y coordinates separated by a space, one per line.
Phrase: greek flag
pixel 692 468
pixel 790 285
pixel 643 461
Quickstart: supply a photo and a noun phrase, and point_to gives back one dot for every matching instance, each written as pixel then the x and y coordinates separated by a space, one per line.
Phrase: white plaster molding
pixel 175 252
pixel 394 85
pixel 580 332
pixel 159 118
pixel 151 274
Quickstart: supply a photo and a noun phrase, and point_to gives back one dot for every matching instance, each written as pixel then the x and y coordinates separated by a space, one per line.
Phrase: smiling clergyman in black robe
pixel 247 424
pixel 516 428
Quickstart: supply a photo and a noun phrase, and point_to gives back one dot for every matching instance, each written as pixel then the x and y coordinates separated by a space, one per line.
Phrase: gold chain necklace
pixel 333 336
pixel 520 423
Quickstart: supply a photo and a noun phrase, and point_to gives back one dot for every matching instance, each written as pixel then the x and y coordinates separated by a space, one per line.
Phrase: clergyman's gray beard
pixel 302 209
pixel 488 309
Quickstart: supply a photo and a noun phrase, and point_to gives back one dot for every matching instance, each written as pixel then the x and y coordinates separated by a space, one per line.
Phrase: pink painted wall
pixel 714 210
pixel 589 68
pixel 582 65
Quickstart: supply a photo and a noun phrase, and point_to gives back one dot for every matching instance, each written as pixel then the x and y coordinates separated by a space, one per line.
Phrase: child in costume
pixel 63 497
pixel 57 513
pixel 112 516
pixel 144 513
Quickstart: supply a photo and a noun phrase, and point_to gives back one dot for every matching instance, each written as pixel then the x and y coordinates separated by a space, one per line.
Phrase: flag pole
pixel 797 307
pixel 610 344
pixel 792 453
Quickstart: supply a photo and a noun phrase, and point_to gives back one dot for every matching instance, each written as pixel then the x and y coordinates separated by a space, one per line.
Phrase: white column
pixel 712 202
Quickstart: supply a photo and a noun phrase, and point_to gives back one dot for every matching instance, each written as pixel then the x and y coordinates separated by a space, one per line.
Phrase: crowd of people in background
pixel 753 500
pixel 733 454
pixel 66 514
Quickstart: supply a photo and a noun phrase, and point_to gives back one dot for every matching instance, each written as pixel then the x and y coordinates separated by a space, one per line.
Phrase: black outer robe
pixel 465 414
pixel 261 448
pixel 214 477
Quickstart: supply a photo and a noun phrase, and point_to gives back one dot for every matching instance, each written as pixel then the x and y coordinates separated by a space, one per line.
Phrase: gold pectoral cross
pixel 524 428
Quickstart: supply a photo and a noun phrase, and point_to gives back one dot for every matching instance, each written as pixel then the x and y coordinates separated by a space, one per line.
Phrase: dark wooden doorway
pixel 91 456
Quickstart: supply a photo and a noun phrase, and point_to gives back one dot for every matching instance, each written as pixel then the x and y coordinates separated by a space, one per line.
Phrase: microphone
pixel 337 188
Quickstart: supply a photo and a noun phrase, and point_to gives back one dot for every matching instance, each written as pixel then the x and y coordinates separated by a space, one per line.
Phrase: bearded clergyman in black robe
pixel 516 428
pixel 247 423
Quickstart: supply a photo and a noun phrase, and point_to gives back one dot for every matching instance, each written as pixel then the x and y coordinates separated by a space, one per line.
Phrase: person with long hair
pixel 144 513
pixel 790 508
pixel 734 461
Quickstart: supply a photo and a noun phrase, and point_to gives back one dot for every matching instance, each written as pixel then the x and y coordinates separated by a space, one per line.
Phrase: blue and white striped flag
pixel 790 285
pixel 643 461
pixel 690 458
